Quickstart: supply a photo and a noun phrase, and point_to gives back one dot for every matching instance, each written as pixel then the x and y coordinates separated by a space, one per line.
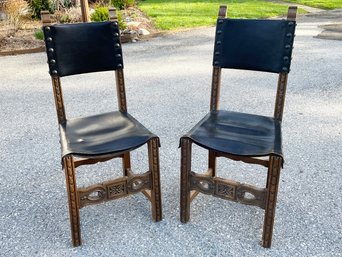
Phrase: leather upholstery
pixel 83 47
pixel 102 134
pixel 238 134
pixel 261 45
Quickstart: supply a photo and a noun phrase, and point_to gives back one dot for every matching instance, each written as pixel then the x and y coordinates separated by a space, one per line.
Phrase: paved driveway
pixel 168 82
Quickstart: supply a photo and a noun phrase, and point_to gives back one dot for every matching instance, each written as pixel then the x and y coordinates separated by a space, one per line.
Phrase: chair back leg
pixel 126 163
pixel 74 211
pixel 212 162
pixel 271 199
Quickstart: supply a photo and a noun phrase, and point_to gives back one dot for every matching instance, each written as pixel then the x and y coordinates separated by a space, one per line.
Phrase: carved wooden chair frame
pixel 208 183
pixel 148 183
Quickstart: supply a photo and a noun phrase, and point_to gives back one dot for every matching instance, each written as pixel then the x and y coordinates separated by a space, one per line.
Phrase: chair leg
pixel 72 199
pixel 126 163
pixel 153 156
pixel 185 180
pixel 212 162
pixel 271 200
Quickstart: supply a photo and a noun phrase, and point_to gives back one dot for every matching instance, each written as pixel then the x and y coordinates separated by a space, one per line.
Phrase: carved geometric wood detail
pixel 120 87
pixel 73 201
pixel 114 189
pixel 228 189
pixel 215 88
pixel 280 99
pixel 153 156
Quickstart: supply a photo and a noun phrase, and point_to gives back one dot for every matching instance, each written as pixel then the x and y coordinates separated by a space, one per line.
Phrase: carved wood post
pixel 121 95
pixel 185 180
pixel 271 199
pixel 56 83
pixel 282 80
pixel 215 95
pixel 73 199
pixel 153 156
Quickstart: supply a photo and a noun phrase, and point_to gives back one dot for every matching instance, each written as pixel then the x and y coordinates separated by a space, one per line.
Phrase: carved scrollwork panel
pixel 251 195
pixel 116 190
pixel 92 195
pixel 202 183
pixel 225 189
pixel 136 183
pixel 228 189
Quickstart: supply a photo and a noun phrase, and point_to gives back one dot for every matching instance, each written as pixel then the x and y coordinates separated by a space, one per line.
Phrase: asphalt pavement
pixel 168 84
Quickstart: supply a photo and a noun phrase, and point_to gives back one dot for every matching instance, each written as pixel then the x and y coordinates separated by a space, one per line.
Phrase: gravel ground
pixel 168 82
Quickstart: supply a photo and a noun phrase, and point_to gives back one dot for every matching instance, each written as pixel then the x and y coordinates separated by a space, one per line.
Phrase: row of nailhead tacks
pixel 117 46
pixel 288 48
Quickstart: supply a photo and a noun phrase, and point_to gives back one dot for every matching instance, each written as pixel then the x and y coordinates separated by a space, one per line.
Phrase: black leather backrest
pixel 83 47
pixel 261 45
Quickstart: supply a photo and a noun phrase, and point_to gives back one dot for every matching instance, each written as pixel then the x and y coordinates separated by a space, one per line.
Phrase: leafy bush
pixel 37 6
pixel 100 14
pixel 120 4
pixel 130 3
pixel 38 34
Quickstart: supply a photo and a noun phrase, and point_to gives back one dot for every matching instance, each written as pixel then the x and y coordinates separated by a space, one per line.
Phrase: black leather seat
pixel 103 134
pixel 238 134
pixel 246 44
pixel 93 47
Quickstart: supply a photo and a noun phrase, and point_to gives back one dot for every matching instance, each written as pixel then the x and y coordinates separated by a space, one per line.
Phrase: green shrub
pixel 122 25
pixel 38 34
pixel 120 4
pixel 130 3
pixel 100 14
pixel 37 6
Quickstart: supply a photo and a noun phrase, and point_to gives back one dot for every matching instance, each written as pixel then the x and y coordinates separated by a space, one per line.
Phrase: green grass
pixel 177 14
pixel 324 4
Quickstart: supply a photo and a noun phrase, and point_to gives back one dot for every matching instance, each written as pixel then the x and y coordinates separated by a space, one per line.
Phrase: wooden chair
pixel 260 45
pixel 92 47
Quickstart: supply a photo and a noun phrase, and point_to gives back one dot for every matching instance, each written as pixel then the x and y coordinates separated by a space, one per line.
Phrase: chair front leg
pixel 70 176
pixel 271 200
pixel 185 180
pixel 153 156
